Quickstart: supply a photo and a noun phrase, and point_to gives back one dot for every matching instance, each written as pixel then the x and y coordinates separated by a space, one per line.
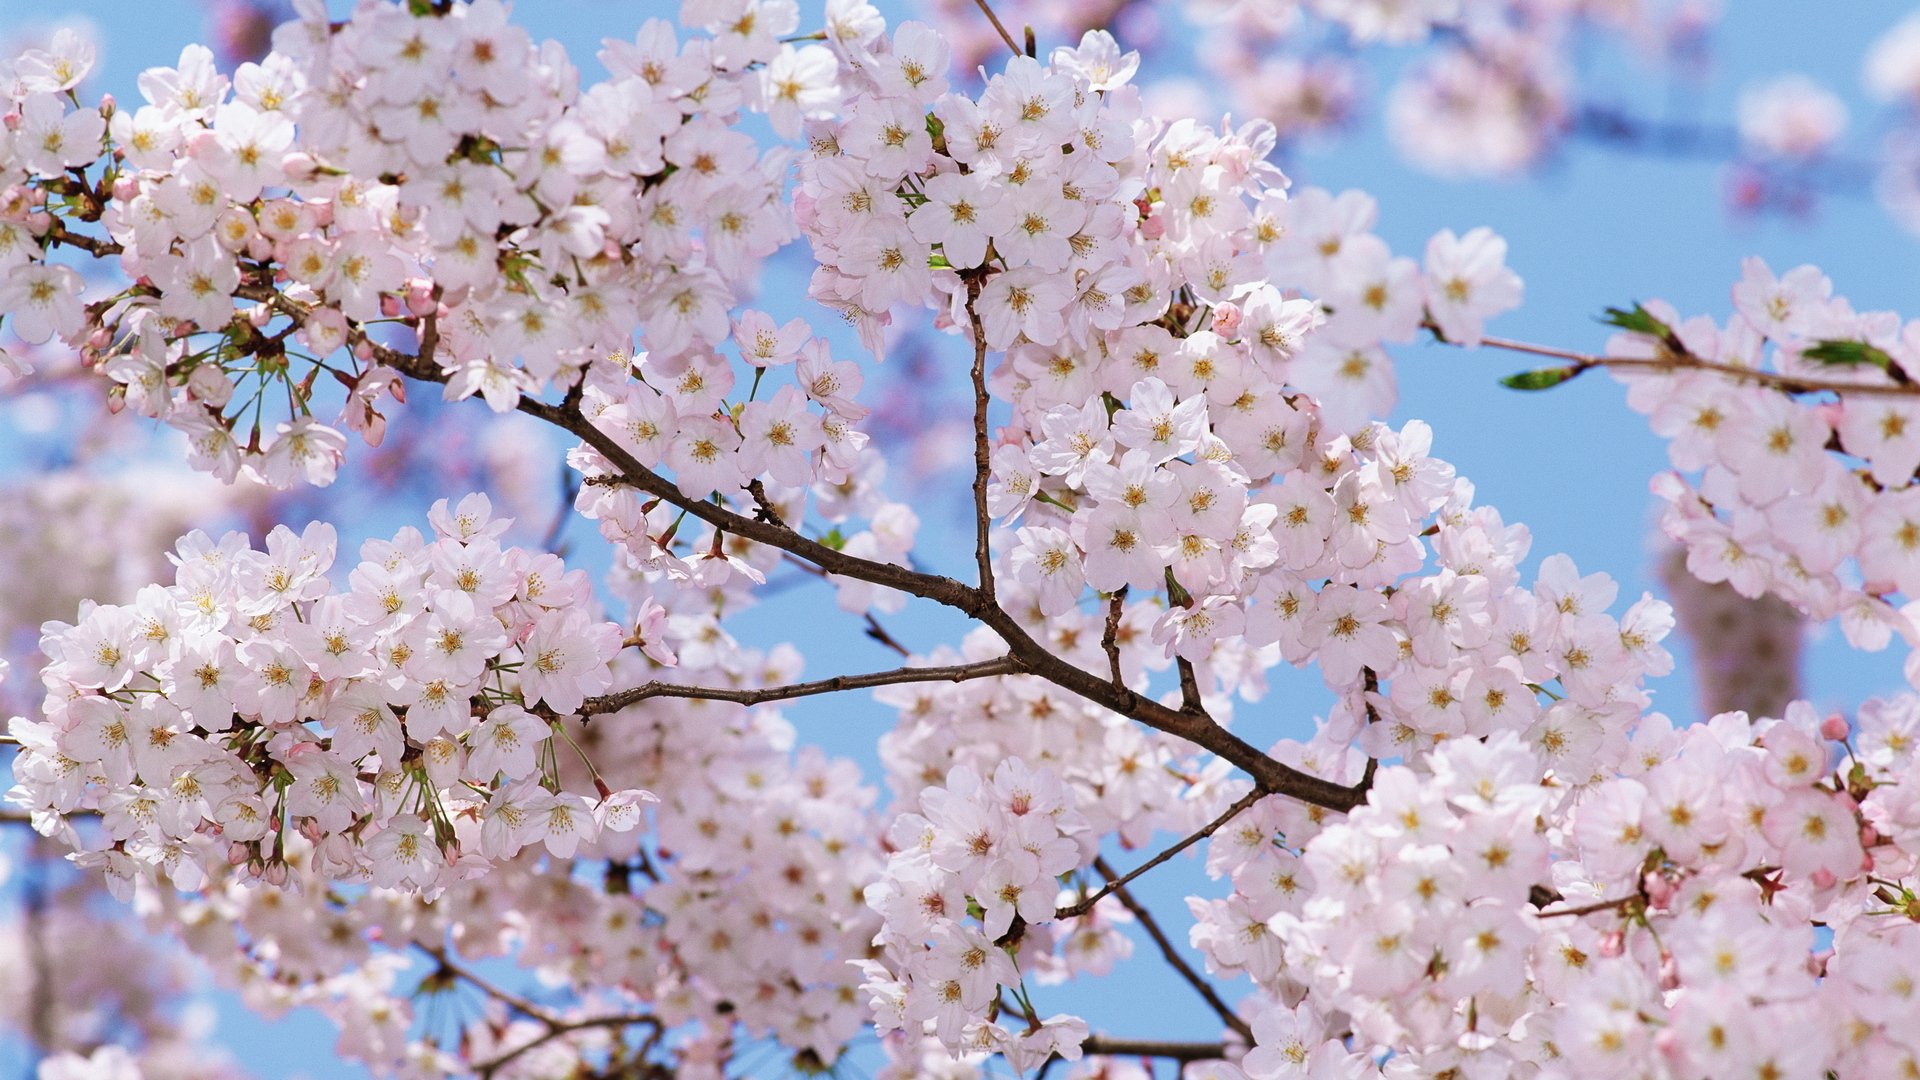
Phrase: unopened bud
pixel 1226 319
pixel 420 301
pixel 1834 728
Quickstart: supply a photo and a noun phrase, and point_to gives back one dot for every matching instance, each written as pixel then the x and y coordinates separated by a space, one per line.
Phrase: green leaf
pixel 1638 321
pixel 834 539
pixel 1848 354
pixel 1541 378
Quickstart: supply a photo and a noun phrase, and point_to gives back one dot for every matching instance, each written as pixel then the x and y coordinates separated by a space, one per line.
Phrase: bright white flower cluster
pixel 1777 490
pixel 988 849
pixel 388 724
pixel 1677 937
pixel 435 167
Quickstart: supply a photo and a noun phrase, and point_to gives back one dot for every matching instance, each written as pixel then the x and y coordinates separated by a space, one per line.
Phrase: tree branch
pixel 982 525
pixel 984 669
pixel 1211 827
pixel 1033 657
pixel 1173 957
pixel 1107 1046
pixel 995 20
pixel 1684 361
pixel 1110 637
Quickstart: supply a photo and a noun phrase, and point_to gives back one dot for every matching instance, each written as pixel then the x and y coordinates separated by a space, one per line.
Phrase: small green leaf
pixel 834 539
pixel 1638 321
pixel 1848 354
pixel 1540 378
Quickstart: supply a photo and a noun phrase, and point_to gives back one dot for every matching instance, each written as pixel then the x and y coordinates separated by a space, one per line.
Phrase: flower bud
pixel 1226 319
pixel 1834 728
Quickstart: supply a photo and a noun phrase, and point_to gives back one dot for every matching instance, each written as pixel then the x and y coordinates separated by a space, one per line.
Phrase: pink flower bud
pixel 1613 944
pixel 125 188
pixel 276 874
pixel 1153 228
pixel 238 853
pixel 298 167
pixel 390 306
pixel 1869 836
pixel 1834 727
pixel 420 301
pixel 1226 320
pixel 259 315
pixel 1822 878
pixel 1659 890
pixel 1817 963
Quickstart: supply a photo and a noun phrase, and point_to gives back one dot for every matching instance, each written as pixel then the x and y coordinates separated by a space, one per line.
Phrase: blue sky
pixel 1596 228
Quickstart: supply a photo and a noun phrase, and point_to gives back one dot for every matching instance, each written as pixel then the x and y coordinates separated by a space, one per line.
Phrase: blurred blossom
pixel 1892 71
pixel 242 30
pixel 1791 117
pixel 1898 182
pixel 1747 653
pixel 1466 113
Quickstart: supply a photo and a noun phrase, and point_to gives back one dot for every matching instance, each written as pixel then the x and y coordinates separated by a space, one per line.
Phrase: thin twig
pixel 1669 364
pixel 1589 909
pixel 879 634
pixel 1110 637
pixel 982 524
pixel 1107 1046
pixel 1211 827
pixel 995 20
pixel 984 669
pixel 1189 687
pixel 1173 957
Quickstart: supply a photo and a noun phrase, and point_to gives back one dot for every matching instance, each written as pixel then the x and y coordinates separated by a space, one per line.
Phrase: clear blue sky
pixel 1599 228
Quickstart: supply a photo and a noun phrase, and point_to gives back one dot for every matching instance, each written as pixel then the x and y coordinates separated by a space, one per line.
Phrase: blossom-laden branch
pixel 1033 657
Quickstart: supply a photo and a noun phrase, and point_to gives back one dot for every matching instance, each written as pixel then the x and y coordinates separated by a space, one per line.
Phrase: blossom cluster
pixel 1795 478
pixel 435 168
pixel 388 724
pixel 962 886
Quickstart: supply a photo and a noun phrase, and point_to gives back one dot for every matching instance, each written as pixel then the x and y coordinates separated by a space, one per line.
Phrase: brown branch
pixel 1173 957
pixel 879 634
pixel 1033 657
pixel 995 20
pixel 1672 362
pixel 982 525
pixel 1211 827
pixel 1110 637
pixel 1189 688
pixel 1107 1046
pixel 1589 909
pixel 984 669
pixel 555 1026
pixel 555 1030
